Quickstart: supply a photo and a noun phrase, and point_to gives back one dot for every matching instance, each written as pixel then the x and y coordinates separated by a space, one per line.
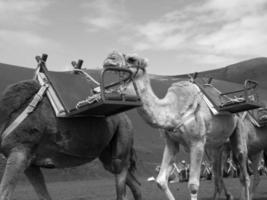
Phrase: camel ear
pixel 114 59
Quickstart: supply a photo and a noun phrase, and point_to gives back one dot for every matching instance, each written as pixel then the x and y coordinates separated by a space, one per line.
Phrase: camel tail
pixel 133 168
pixel 265 158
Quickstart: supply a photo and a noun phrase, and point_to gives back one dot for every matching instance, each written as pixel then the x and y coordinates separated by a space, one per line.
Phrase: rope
pixel 89 100
pixel 96 97
pixel 89 77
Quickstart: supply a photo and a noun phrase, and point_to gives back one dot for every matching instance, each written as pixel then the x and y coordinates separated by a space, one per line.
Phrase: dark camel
pixel 43 140
pixel 256 139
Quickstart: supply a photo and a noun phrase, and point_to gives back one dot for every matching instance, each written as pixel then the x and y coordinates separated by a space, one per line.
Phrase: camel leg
pixel 134 186
pixel 116 159
pixel 239 146
pixel 169 153
pixel 16 163
pixel 36 178
pixel 196 155
pixel 217 175
pixel 218 178
pixel 244 177
pixel 120 180
pixel 256 176
pixel 120 171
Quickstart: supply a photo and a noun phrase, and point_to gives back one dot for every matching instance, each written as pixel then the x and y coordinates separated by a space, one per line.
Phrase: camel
pixel 185 119
pixel 256 139
pixel 43 140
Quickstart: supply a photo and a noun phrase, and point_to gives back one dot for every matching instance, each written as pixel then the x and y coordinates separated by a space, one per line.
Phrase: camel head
pixel 132 62
pixel 136 64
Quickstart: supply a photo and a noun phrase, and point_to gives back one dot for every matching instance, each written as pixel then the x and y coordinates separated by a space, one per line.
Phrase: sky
pixel 176 36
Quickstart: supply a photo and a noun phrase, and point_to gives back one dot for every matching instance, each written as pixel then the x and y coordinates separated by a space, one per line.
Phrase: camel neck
pixel 154 110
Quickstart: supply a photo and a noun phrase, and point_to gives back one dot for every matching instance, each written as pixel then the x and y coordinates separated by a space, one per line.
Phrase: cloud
pixel 211 28
pixel 233 10
pixel 162 34
pixel 14 14
pixel 18 47
pixel 242 37
pixel 21 31
pixel 22 38
pixel 21 22
pixel 104 14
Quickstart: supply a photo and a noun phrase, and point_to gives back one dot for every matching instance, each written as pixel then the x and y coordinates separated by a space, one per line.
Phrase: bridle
pixel 134 62
pixel 130 62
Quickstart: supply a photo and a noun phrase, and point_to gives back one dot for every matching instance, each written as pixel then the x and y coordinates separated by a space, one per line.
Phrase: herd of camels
pixel 43 140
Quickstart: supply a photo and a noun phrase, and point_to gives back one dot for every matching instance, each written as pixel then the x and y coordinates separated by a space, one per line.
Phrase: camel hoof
pixel 229 197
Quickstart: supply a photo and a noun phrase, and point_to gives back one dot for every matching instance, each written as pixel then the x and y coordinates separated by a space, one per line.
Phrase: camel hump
pixel 27 86
pixel 16 95
pixel 184 88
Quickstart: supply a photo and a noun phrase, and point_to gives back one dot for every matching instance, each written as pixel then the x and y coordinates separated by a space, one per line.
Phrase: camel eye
pixel 131 60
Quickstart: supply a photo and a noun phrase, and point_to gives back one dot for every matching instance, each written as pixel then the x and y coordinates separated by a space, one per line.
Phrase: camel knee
pixel 242 156
pixel 117 165
pixel 17 159
pixel 218 189
pixel 193 188
pixel 256 180
pixel 161 183
pixel 245 180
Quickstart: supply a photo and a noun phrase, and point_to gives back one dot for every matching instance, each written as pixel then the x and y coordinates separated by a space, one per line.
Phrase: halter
pixel 135 62
pixel 119 60
pixel 128 62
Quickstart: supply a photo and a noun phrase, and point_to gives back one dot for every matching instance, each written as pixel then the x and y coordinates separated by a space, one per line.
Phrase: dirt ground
pixel 104 190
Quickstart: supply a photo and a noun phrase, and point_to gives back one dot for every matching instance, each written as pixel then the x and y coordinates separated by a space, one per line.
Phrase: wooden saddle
pixel 84 92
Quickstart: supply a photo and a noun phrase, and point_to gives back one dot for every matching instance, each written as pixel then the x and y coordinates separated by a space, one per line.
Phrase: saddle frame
pixel 228 101
pixel 104 104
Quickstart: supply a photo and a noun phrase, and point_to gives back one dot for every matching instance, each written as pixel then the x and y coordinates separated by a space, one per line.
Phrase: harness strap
pixel 88 76
pixel 185 119
pixel 207 101
pixel 29 109
pixel 189 115
pixel 252 119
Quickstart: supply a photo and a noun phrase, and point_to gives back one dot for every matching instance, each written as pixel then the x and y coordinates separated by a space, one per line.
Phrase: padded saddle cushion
pixel 72 87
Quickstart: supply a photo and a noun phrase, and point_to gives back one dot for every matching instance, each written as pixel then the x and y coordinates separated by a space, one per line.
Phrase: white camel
pixel 186 119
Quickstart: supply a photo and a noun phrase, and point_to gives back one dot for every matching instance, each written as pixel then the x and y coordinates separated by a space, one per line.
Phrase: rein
pixel 88 76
